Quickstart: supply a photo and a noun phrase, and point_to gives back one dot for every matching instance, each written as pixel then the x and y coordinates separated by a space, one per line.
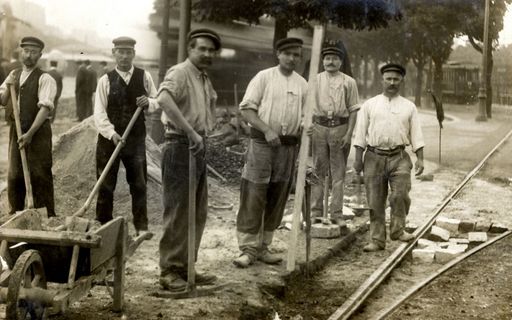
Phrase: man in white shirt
pixel 35 90
pixel 386 124
pixel 272 105
pixel 118 94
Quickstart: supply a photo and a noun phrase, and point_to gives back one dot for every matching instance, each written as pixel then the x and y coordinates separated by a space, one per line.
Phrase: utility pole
pixel 482 92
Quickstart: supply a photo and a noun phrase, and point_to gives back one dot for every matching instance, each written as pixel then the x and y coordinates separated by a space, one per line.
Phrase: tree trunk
pixel 488 81
pixel 376 84
pixel 419 83
pixel 280 30
pixel 365 77
pixel 429 84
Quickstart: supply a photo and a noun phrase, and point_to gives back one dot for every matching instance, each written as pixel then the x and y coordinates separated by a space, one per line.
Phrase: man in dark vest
pixel 36 91
pixel 81 90
pixel 118 94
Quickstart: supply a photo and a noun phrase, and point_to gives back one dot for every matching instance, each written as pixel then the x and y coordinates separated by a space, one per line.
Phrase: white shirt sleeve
pixel 361 128
pixel 47 91
pixel 149 85
pixel 417 141
pixel 103 124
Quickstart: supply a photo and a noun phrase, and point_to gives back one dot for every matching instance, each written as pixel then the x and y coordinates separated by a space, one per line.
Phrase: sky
pixel 112 18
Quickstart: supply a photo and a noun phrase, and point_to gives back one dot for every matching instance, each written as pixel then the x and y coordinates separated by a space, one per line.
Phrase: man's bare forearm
pixel 171 109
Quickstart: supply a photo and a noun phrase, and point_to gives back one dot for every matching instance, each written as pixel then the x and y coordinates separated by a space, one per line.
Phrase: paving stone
pixel 458 247
pixel 423 255
pixel 446 255
pixel 449 224
pixel 425 243
pixel 477 237
pixel 325 231
pixel 443 244
pixel 438 234
pixel 498 228
pixel 348 214
pixel 459 240
pixel 483 226
pixel 466 226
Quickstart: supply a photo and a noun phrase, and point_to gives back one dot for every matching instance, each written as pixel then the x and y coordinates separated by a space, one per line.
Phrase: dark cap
pixel 392 67
pixel 207 33
pixel 288 43
pixel 32 41
pixel 124 43
pixel 332 50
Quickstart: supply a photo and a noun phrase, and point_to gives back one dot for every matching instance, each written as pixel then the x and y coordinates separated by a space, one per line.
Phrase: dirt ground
pixel 258 292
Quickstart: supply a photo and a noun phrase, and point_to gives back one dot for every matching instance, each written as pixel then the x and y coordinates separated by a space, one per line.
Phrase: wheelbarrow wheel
pixel 28 272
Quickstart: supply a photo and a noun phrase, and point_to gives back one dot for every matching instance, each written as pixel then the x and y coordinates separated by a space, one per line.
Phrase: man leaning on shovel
pixel 35 91
pixel 118 95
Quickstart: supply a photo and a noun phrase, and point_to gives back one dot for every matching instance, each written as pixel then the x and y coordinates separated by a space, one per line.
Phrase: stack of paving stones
pixel 450 238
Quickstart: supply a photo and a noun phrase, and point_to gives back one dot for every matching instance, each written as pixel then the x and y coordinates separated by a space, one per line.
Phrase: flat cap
pixel 32 41
pixel 392 67
pixel 124 43
pixel 332 50
pixel 288 43
pixel 207 33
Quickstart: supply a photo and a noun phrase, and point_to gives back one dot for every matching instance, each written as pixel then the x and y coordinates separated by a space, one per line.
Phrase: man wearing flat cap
pixel 272 105
pixel 187 99
pixel 36 91
pixel 118 95
pixel 386 125
pixel 334 118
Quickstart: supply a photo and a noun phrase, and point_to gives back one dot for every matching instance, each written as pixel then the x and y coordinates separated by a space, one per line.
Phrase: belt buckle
pixel 332 122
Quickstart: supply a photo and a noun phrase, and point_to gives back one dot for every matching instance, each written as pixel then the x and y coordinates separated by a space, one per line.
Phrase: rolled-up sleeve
pixel 253 93
pixel 417 141
pixel 103 124
pixel 47 91
pixel 361 129
pixel 174 83
pixel 352 96
pixel 151 90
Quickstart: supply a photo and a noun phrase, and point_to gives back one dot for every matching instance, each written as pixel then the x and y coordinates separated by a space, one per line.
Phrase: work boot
pixel 405 237
pixel 244 261
pixel 173 282
pixel 373 246
pixel 202 279
pixel 266 257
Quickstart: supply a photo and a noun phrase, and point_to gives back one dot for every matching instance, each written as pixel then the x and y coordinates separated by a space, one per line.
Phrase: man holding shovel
pixel 334 118
pixel 187 99
pixel 35 92
pixel 119 94
pixel 272 105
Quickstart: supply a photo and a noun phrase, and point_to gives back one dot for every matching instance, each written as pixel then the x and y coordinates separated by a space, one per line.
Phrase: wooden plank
pixel 108 233
pixel 73 265
pixel 119 273
pixel 63 239
pixel 318 36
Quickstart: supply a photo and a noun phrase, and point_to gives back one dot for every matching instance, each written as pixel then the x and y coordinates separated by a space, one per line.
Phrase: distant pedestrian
pixel 36 91
pixel 91 83
pixel 58 79
pixel 104 68
pixel 386 124
pixel 81 90
pixel 272 105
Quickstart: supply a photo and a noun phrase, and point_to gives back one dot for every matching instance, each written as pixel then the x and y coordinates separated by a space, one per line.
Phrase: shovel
pixel 31 216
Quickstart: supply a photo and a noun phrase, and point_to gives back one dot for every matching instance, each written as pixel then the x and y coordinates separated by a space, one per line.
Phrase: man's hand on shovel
pixel 117 139
pixel 198 144
pixel 24 140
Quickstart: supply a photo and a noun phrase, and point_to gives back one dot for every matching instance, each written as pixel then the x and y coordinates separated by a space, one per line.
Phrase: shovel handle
pixel 24 162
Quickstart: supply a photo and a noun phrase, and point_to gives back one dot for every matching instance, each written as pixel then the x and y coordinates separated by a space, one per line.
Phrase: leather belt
pixel 330 122
pixel 386 153
pixel 285 140
pixel 181 137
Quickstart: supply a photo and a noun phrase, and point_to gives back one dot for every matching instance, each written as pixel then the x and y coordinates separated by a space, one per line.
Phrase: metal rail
pixel 364 291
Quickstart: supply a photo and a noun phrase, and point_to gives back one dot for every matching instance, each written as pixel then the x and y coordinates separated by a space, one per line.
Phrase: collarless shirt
pixel 47 87
pixel 387 123
pixel 103 124
pixel 336 94
pixel 278 99
pixel 193 93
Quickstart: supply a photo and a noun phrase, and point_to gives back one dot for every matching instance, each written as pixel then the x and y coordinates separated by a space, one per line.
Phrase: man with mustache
pixel 272 105
pixel 334 118
pixel 187 99
pixel 118 94
pixel 386 124
pixel 36 91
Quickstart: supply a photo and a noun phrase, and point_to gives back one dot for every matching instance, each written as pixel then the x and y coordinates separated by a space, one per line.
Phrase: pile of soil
pixel 227 160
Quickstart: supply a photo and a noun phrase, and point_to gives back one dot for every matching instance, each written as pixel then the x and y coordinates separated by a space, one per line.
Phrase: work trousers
pixel 329 157
pixel 175 180
pixel 133 156
pixel 380 173
pixel 266 183
pixel 39 158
